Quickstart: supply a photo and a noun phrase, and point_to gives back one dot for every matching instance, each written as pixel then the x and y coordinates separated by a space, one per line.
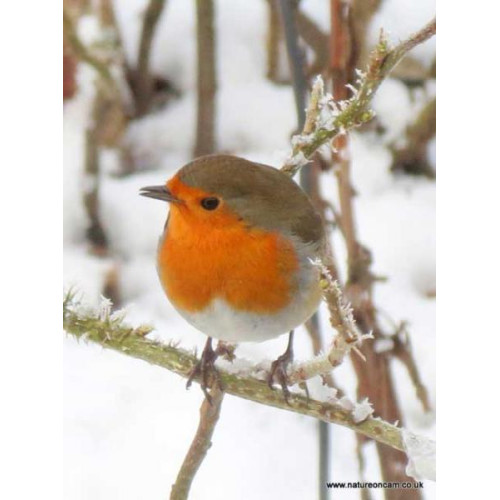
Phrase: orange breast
pixel 251 269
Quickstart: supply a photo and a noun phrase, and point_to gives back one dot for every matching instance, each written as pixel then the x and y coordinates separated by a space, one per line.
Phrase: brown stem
pixel 107 18
pixel 412 157
pixel 403 351
pixel 95 232
pixel 207 85
pixel 374 376
pixel 375 382
pixel 273 43
pixel 312 35
pixel 69 71
pixel 309 32
pixel 109 114
pixel 362 13
pixel 340 47
pixel 209 416
pixel 342 65
pixel 143 80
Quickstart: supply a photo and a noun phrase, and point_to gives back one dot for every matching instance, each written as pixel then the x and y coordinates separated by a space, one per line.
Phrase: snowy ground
pixel 128 424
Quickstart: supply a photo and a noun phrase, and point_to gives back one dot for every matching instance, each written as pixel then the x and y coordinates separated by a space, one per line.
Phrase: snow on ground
pixel 128 424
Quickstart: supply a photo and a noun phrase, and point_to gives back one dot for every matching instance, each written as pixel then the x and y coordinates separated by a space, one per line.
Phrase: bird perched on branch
pixel 235 255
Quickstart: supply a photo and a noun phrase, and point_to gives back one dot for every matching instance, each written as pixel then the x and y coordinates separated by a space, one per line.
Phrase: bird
pixel 236 256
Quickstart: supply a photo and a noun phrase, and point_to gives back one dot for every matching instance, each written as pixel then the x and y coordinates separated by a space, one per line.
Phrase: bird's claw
pixel 278 369
pixel 205 369
pixel 278 372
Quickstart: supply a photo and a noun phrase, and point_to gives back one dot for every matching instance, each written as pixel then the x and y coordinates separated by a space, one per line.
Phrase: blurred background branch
pixel 86 55
pixel 412 157
pixel 141 77
pixel 207 80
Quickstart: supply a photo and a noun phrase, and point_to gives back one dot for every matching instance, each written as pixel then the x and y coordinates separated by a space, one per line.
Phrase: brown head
pixel 221 190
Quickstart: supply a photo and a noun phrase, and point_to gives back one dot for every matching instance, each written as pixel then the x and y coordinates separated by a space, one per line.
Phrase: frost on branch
pixel 362 411
pixel 359 411
pixel 348 335
pixel 297 160
pixel 98 323
pixel 111 332
pixel 421 453
pixel 341 316
pixel 325 119
pixel 104 311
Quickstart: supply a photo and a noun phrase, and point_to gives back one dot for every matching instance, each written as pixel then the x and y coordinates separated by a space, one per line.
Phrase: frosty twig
pixel 333 119
pixel 348 336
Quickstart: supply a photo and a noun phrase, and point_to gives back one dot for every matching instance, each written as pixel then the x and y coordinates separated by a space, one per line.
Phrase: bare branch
pixel 403 351
pixel 143 87
pixel 411 158
pixel 209 416
pixel 95 231
pixel 317 41
pixel 206 142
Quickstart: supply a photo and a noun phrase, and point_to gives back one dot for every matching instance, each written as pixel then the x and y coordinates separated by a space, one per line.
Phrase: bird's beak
pixel 159 193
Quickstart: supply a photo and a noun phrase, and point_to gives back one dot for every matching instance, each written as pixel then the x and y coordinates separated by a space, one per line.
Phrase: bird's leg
pixel 279 366
pixel 205 368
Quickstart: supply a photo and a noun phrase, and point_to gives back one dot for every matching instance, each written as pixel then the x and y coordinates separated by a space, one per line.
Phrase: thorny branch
pixel 109 331
pixel 348 337
pixel 355 111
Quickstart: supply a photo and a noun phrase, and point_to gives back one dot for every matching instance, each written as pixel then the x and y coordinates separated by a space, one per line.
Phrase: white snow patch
pixel 383 345
pixel 421 453
pixel 346 403
pixel 362 411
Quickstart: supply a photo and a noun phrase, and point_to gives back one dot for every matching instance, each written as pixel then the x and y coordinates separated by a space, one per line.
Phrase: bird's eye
pixel 210 203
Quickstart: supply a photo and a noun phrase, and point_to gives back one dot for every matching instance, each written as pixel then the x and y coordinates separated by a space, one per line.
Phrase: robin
pixel 235 255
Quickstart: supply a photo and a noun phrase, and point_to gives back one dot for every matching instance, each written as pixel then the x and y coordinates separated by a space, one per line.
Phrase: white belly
pixel 221 321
